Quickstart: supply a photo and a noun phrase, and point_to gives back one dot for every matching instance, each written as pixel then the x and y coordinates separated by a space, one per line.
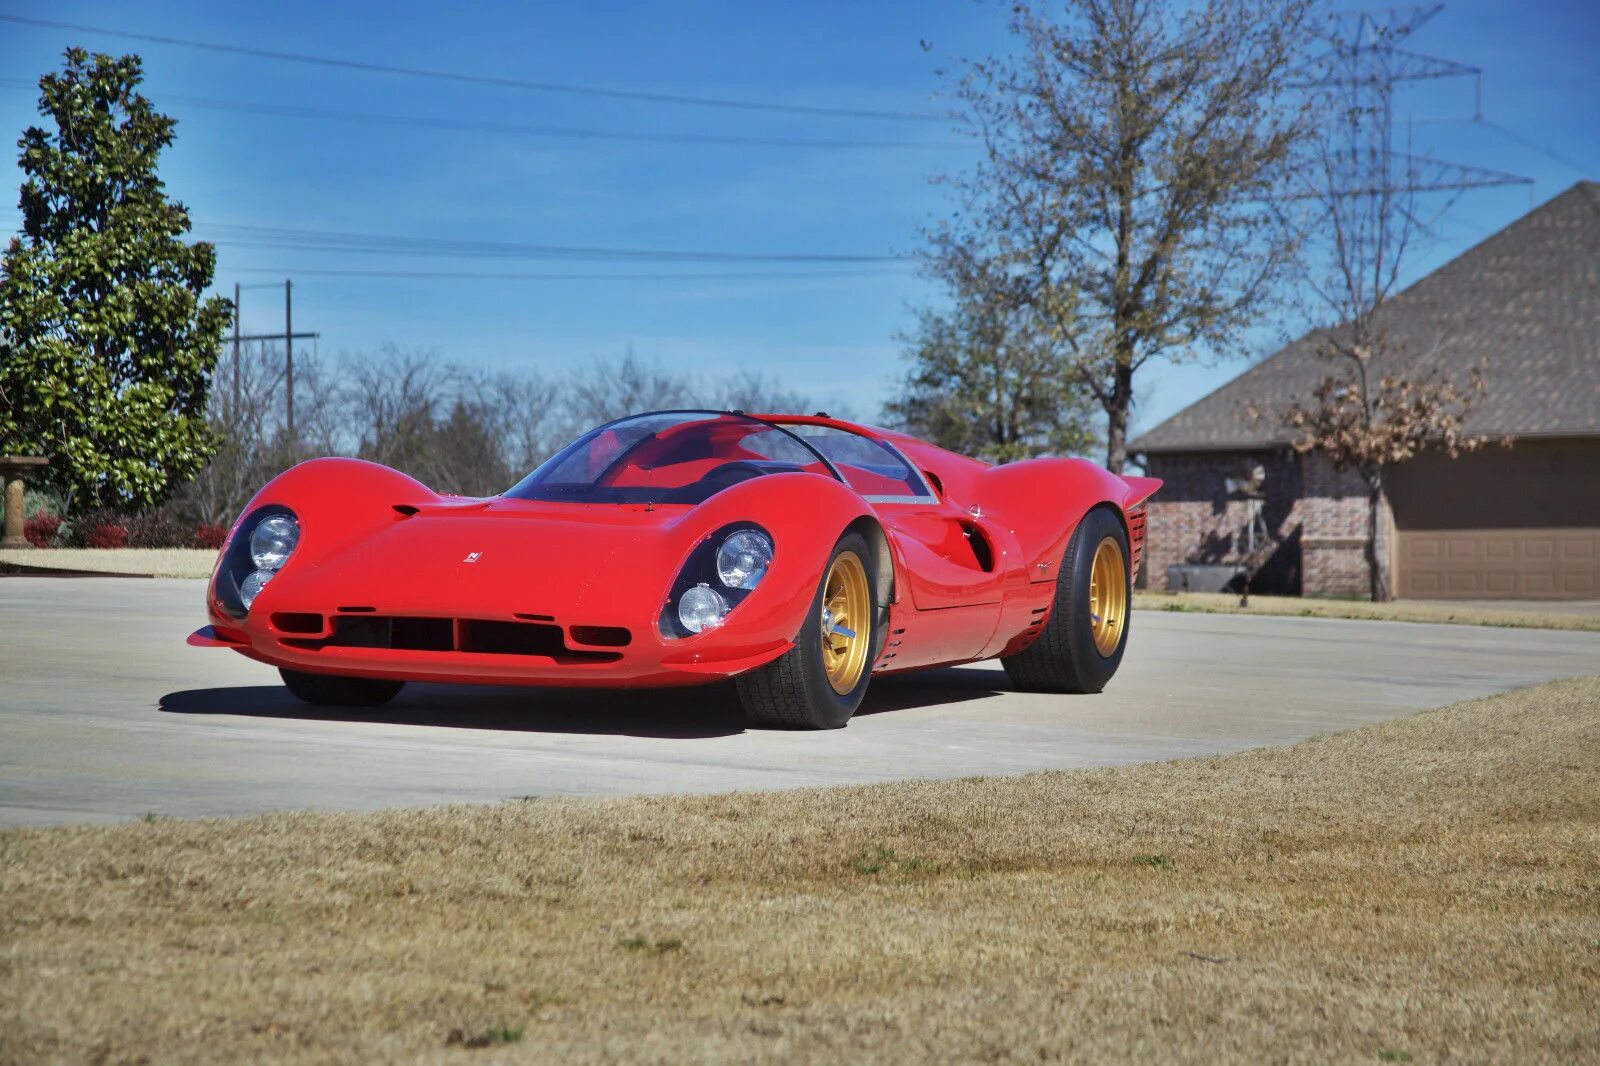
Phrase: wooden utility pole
pixel 288 342
pixel 288 336
pixel 236 397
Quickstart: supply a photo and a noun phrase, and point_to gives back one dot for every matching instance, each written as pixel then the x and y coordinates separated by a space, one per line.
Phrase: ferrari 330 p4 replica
pixel 796 555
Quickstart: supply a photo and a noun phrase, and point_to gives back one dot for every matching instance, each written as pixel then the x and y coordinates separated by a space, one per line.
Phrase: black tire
pixel 1064 657
pixel 326 690
pixel 793 692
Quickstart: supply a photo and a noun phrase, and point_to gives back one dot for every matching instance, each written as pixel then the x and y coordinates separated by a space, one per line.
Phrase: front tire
pixel 1081 645
pixel 327 690
pixel 819 683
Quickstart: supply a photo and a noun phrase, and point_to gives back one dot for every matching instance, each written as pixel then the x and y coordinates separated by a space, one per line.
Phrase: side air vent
pixel 982 550
pixel 405 510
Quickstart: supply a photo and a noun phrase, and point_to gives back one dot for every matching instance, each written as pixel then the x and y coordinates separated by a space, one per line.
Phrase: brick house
pixel 1504 522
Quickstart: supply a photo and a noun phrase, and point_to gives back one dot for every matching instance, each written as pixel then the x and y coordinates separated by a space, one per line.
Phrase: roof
pixel 1525 302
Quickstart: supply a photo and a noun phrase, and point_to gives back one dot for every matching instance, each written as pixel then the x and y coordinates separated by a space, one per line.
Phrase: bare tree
pixel 246 411
pixel 472 432
pixel 1132 150
pixel 753 391
pixel 611 389
pixel 1369 424
pixel 526 413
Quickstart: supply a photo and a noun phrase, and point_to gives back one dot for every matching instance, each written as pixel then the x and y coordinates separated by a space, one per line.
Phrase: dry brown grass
pixel 1425 888
pixel 1557 617
pixel 150 562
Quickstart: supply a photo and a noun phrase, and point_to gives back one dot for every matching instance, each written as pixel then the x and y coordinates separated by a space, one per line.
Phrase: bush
pixel 41 529
pixel 113 529
pixel 103 534
pixel 211 536
pixel 156 529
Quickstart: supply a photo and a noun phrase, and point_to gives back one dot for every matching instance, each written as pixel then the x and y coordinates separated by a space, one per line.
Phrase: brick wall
pixel 1317 514
pixel 1192 519
pixel 1333 542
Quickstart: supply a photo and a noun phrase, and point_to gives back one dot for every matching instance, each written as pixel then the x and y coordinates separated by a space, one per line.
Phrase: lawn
pixel 1438 611
pixel 1420 889
pixel 143 562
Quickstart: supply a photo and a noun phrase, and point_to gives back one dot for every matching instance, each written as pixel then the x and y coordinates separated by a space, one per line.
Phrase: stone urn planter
pixel 12 470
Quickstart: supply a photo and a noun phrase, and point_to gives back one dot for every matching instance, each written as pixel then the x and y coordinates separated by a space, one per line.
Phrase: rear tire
pixel 327 690
pixel 802 688
pixel 1076 652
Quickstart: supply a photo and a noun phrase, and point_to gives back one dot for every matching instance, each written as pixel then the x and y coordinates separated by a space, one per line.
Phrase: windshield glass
pixel 874 469
pixel 667 457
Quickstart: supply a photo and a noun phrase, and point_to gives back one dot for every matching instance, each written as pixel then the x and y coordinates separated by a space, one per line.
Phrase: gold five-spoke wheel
pixel 846 622
pixel 1108 596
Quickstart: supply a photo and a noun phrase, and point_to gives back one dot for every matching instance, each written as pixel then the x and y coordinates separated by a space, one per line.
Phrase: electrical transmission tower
pixel 1355 80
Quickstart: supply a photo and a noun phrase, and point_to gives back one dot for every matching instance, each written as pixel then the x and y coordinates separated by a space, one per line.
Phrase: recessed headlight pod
pixel 721 571
pixel 260 547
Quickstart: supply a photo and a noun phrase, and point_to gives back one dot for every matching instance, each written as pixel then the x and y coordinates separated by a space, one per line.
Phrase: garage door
pixel 1550 564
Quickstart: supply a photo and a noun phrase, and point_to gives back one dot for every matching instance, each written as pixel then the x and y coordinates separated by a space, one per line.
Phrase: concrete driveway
pixel 105 713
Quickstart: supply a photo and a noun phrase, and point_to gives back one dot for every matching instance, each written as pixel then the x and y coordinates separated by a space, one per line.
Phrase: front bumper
pixel 509 650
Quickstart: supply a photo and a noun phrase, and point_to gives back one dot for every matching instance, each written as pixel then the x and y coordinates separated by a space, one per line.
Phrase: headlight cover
pixel 743 559
pixel 272 540
pixel 701 608
pixel 261 545
pixel 720 572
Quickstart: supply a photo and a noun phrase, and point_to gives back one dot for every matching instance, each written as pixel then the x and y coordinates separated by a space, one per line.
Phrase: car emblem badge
pixel 472 557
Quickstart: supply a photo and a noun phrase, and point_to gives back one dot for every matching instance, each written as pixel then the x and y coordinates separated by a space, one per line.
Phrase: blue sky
pixel 830 334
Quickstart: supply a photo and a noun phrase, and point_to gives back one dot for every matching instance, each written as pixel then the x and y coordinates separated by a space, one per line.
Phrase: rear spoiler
pixel 1140 489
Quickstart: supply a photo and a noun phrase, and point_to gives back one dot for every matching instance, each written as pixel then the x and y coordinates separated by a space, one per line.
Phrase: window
pixel 872 467
pixel 668 457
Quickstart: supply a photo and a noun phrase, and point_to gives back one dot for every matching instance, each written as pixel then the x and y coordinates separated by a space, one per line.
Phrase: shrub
pixel 211 536
pixel 113 529
pixel 97 529
pixel 41 529
pixel 103 534
pixel 155 529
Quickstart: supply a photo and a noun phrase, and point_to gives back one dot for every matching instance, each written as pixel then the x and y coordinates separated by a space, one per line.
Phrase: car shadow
pixel 671 714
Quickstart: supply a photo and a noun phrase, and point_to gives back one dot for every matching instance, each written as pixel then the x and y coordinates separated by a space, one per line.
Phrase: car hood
pixel 493 559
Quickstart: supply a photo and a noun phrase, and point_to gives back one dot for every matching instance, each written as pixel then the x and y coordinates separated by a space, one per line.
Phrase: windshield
pixel 878 472
pixel 668 457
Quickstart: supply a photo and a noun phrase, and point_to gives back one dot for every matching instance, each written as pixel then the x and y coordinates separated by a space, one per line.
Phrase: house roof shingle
pixel 1525 302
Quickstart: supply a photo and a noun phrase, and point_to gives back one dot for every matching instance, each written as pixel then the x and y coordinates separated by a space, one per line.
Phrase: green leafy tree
pixel 990 378
pixel 111 344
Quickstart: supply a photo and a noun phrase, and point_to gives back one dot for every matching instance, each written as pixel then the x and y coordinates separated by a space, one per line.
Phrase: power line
pixel 481 79
pixel 516 129
pixel 730 275
pixel 308 240
pixel 1531 145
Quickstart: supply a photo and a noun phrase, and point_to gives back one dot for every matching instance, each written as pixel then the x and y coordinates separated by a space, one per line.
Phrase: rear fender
pixel 1042 501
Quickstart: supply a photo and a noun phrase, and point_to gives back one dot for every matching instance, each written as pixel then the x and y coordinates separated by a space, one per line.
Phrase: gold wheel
pixel 1108 596
pixel 846 622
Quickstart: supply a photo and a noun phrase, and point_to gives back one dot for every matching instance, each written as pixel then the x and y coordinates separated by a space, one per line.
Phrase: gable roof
pixel 1525 302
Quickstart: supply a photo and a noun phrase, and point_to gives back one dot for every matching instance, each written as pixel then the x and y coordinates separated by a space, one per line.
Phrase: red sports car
pixel 797 555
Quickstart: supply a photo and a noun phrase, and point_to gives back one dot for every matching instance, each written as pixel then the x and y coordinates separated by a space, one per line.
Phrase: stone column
pixel 12 469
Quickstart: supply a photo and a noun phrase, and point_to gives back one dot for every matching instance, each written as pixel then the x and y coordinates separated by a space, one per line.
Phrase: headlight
pixel 260 546
pixel 701 608
pixel 252 585
pixel 743 559
pixel 273 539
pixel 724 567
